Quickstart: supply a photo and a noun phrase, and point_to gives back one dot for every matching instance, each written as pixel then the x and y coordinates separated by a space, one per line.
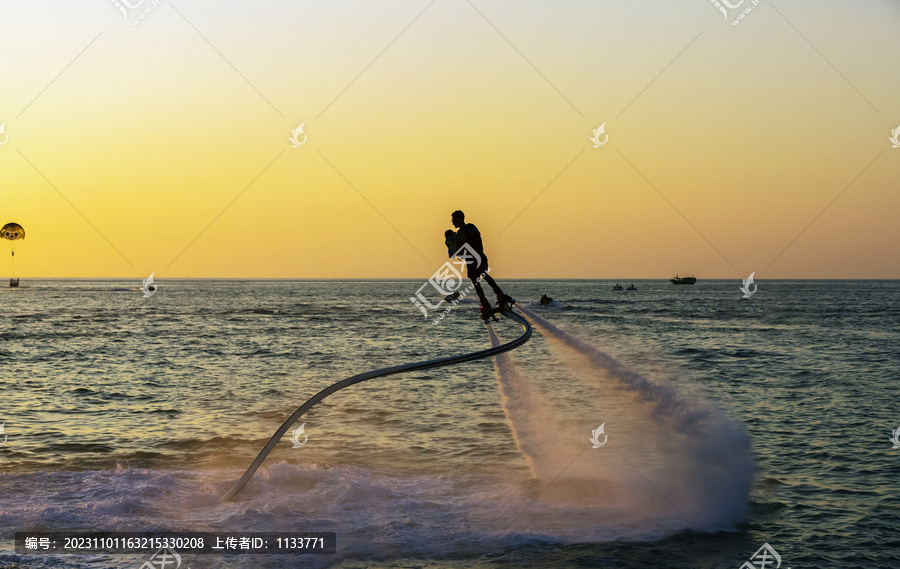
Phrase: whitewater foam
pixel 669 460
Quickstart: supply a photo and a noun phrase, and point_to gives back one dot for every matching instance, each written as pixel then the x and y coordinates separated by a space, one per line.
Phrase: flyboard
pixel 506 310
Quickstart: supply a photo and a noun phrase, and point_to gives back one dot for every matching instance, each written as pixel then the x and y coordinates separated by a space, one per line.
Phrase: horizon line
pixel 419 278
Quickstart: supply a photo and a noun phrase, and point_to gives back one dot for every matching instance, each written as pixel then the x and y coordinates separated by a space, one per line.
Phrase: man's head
pixel 458 218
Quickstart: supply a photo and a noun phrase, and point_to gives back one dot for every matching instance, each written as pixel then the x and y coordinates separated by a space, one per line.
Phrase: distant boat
pixel 13 283
pixel 631 287
pixel 618 287
pixel 683 280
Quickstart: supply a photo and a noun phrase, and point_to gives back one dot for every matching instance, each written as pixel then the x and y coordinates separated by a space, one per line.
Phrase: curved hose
pixel 335 387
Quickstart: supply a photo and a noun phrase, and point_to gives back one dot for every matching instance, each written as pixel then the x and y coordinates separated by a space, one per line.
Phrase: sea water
pixel 125 413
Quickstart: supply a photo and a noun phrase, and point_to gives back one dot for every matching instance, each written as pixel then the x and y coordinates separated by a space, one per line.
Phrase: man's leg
pixel 480 292
pixel 503 299
pixel 482 269
pixel 486 308
pixel 493 285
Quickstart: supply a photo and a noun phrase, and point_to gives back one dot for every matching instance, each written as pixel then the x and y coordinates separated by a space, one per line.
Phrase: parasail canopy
pixel 12 232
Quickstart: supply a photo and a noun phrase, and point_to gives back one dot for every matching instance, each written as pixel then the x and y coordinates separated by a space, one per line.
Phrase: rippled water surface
pixel 125 413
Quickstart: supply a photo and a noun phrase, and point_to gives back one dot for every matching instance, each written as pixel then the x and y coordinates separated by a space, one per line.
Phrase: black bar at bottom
pixel 177 543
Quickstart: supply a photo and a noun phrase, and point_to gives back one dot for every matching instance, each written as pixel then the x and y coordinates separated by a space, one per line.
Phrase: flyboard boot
pixel 488 313
pixel 505 302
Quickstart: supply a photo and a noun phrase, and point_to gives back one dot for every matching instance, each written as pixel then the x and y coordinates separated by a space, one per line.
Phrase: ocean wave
pixel 378 515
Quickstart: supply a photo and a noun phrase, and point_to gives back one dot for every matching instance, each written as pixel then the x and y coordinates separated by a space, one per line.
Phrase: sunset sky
pixel 725 141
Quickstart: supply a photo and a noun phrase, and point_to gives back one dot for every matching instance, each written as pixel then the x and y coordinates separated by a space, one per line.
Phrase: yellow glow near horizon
pixel 150 133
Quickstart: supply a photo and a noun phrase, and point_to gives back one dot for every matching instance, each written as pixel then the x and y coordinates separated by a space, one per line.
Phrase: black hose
pixel 372 375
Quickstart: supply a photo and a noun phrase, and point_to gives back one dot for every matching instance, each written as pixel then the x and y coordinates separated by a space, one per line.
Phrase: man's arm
pixel 460 239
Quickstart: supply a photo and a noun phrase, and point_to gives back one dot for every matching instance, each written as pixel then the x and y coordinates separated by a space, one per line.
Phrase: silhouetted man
pixel 476 268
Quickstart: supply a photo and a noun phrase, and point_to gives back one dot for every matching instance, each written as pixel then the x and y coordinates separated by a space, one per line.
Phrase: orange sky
pixel 126 144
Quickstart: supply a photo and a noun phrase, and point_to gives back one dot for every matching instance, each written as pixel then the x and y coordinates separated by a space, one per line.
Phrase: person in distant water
pixel 545 300
pixel 468 234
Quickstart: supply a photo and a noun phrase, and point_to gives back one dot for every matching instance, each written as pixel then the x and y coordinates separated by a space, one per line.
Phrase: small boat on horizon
pixel 13 283
pixel 618 287
pixel 631 287
pixel 683 280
